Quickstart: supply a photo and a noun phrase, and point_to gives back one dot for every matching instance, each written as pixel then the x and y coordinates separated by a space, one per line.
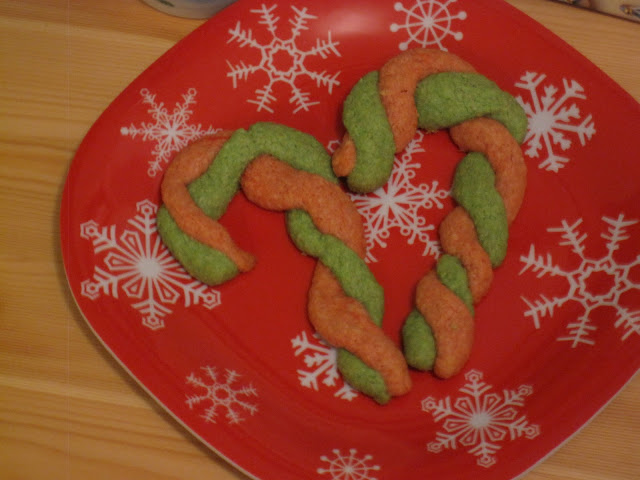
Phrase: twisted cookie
pixel 432 90
pixel 282 169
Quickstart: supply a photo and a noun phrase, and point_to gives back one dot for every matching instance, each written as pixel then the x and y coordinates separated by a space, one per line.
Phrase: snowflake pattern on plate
pixel 138 264
pixel 594 284
pixel 427 23
pixel 320 360
pixel 480 420
pixel 171 131
pixel 400 204
pixel 349 466
pixel 552 119
pixel 282 60
pixel 221 394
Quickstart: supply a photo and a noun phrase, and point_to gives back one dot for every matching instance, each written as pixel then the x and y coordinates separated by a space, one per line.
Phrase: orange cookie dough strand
pixel 451 323
pixel 504 154
pixel 280 168
pixel 398 80
pixel 190 163
pixel 344 322
pixel 274 185
pixel 457 231
pixel 343 160
pixel 458 238
pixel 339 319
pixel 434 90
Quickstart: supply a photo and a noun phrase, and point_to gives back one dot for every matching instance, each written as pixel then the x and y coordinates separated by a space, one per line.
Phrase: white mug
pixel 189 8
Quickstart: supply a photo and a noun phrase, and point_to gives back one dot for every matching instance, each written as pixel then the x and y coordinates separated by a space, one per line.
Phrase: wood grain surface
pixel 69 411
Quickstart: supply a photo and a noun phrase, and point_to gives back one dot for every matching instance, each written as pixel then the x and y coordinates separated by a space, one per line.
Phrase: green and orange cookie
pixel 282 169
pixel 433 90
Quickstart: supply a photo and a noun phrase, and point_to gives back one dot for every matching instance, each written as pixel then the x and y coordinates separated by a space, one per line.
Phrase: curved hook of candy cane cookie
pixel 282 169
pixel 433 90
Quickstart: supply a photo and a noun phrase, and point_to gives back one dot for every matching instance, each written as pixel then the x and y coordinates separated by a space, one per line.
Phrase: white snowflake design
pixel 349 466
pixel 479 420
pixel 427 23
pixel 595 283
pixel 400 204
pixel 282 60
pixel 171 131
pixel 552 119
pixel 320 360
pixel 138 264
pixel 221 394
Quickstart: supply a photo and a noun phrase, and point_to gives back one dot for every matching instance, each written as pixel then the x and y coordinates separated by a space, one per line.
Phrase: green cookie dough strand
pixel 357 281
pixel 454 276
pixel 442 100
pixel 352 272
pixel 366 121
pixel 418 342
pixel 216 187
pixel 300 150
pixel 361 377
pixel 447 99
pixel 214 190
pixel 474 189
pixel 208 265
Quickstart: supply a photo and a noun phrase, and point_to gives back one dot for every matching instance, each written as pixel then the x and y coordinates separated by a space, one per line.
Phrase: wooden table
pixel 69 411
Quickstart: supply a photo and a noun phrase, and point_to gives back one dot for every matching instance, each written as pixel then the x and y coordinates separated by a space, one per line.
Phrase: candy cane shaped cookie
pixel 435 90
pixel 282 169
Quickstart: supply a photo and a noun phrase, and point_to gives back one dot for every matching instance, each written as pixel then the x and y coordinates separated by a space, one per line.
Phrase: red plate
pixel 238 365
